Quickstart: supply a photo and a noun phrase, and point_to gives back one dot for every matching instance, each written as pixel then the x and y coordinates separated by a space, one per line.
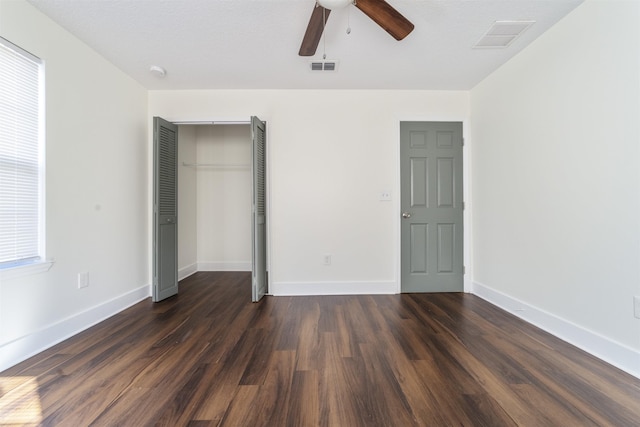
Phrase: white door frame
pixel 466 192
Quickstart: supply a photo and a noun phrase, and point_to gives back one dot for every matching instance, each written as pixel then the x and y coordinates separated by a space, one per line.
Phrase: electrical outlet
pixel 327 260
pixel 636 306
pixel 83 279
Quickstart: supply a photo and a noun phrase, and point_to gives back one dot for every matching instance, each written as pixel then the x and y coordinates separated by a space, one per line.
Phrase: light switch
pixel 385 196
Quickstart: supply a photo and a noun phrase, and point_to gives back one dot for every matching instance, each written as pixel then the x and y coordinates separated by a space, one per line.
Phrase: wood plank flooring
pixel 210 357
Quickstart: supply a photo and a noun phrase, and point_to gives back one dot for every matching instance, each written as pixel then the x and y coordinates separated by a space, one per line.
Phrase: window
pixel 21 157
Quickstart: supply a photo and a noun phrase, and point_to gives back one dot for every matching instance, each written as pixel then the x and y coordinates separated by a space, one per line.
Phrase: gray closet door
pixel 259 231
pixel 165 209
pixel 431 202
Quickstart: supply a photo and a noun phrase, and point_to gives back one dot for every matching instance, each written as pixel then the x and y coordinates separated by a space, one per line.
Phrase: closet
pixel 214 198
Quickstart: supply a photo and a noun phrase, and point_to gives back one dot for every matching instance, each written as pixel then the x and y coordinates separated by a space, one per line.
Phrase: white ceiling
pixel 253 44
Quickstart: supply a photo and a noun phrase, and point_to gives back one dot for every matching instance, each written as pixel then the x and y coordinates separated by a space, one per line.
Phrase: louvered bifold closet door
pixel 165 227
pixel 259 251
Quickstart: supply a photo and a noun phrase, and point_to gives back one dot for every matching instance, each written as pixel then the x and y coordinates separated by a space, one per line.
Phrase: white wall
pixel 329 155
pixel 224 198
pixel 96 197
pixel 214 199
pixel 187 202
pixel 556 192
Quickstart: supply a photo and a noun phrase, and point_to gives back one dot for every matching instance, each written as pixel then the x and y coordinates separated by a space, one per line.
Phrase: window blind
pixel 20 157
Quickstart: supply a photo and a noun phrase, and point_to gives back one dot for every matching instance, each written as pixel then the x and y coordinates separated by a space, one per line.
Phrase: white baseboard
pixel 612 352
pixel 19 349
pixel 224 266
pixel 331 288
pixel 187 271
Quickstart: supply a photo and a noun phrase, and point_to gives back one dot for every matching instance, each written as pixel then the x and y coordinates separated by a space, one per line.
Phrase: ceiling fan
pixel 379 10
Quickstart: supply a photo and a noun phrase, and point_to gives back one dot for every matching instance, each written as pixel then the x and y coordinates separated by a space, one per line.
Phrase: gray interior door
pixel 431 203
pixel 165 209
pixel 259 231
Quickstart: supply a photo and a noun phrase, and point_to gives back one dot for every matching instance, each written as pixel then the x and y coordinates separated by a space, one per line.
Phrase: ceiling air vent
pixel 502 34
pixel 328 65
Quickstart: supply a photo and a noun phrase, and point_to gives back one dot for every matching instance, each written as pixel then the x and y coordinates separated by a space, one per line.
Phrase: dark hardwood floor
pixel 210 357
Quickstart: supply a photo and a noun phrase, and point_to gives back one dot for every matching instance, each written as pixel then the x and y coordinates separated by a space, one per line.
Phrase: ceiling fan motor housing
pixel 334 4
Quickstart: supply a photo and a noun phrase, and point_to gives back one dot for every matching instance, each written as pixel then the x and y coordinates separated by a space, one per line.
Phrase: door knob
pixel 406 215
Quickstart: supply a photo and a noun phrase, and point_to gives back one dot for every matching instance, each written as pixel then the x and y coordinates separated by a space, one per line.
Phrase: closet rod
pixel 213 122
pixel 216 165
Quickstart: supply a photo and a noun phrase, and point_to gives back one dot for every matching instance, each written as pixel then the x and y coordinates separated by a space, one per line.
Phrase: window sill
pixel 25 270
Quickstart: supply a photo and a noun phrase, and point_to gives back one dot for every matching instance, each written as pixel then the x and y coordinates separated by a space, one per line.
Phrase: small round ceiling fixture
pixel 157 71
pixel 334 4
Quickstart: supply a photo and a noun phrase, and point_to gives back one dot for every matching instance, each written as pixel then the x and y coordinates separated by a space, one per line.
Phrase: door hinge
pixel 464 270
pixel 463 206
pixel 463 142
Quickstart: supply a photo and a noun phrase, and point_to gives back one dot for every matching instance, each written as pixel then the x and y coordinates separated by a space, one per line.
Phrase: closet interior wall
pixel 214 198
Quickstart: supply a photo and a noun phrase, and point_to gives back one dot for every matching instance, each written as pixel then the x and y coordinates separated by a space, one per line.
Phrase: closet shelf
pixel 216 166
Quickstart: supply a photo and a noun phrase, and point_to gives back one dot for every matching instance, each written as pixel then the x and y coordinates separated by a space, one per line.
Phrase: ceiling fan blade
pixel 314 31
pixel 386 16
